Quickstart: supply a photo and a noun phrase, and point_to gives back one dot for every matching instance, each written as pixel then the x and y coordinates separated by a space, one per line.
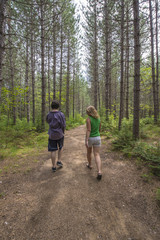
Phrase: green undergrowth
pixel 25 138
pixel 146 149
pixel 74 122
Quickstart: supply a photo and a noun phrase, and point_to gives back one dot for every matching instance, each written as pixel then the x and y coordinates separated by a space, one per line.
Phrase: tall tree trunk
pixel 136 69
pixel 33 68
pixel 61 68
pixel 54 62
pixel 110 79
pixel 42 65
pixel 157 59
pixel 68 78
pixel 27 78
pixel 106 12
pixel 122 67
pixel 153 64
pixel 74 74
pixel 11 71
pixel 95 68
pixel 49 90
pixel 115 97
pixel 127 65
pixel 2 17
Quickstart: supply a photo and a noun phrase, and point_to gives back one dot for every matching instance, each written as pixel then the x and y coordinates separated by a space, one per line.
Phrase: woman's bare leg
pixel 89 155
pixel 96 151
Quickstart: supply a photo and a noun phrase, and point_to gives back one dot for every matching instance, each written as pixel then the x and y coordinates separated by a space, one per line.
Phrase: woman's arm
pixel 88 131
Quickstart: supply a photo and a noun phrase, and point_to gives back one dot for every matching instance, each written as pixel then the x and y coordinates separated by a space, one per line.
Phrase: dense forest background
pixel 99 52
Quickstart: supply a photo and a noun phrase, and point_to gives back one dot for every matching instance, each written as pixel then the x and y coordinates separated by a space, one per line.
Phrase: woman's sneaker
pixel 54 169
pixel 60 164
pixel 99 176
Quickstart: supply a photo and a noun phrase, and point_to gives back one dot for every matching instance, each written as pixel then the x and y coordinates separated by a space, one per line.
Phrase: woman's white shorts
pixel 94 141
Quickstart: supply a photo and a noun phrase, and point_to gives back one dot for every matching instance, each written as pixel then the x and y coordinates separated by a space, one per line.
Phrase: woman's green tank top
pixel 95 122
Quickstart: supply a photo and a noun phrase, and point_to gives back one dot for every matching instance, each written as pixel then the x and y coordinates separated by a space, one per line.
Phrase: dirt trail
pixel 72 205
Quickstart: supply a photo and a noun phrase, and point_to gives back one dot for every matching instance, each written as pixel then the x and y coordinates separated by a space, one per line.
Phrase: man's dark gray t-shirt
pixel 57 124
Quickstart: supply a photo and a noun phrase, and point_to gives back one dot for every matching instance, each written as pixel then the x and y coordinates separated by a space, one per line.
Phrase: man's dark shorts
pixel 54 145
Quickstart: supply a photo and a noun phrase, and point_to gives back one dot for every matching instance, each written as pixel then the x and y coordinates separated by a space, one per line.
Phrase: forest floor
pixel 71 204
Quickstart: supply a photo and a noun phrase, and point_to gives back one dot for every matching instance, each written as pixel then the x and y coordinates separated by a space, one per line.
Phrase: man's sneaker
pixel 54 169
pixel 60 164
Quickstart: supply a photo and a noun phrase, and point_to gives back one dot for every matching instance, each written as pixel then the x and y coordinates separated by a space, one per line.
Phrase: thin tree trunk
pixel 99 95
pixel 61 68
pixel 49 90
pixel 115 97
pixel 153 64
pixel 95 70
pixel 27 78
pixel 2 18
pixel 136 69
pixel 68 78
pixel 157 60
pixel 74 74
pixel 11 71
pixel 54 62
pixel 106 60
pixel 110 79
pixel 127 65
pixel 122 67
pixel 33 69
pixel 42 66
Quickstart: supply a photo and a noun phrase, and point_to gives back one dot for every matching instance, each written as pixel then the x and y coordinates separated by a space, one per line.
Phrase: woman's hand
pixel 86 143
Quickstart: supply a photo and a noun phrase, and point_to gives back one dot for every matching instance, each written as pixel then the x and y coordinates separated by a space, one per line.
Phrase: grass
pixel 16 146
pixel 22 141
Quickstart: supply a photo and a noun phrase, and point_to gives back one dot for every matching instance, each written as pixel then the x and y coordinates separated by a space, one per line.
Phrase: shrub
pixel 74 122
pixel 124 138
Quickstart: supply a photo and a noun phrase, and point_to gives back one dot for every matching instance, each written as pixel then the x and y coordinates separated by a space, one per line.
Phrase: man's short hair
pixel 55 104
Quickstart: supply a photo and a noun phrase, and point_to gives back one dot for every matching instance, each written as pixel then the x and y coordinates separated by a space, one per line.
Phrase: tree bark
pixel 43 117
pixel 2 18
pixel 61 68
pixel 54 62
pixel 33 69
pixel 157 60
pixel 110 78
pixel 127 65
pixel 68 78
pixel 74 74
pixel 49 89
pixel 11 71
pixel 136 69
pixel 106 12
pixel 153 64
pixel 95 70
pixel 122 67
pixel 27 77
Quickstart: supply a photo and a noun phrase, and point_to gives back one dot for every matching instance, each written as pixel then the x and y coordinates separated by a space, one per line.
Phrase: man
pixel 57 124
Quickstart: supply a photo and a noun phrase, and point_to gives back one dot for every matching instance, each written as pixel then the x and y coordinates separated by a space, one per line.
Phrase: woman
pixel 93 139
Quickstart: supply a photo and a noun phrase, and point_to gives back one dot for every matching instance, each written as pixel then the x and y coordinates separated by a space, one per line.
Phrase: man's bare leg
pixel 60 154
pixel 53 158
